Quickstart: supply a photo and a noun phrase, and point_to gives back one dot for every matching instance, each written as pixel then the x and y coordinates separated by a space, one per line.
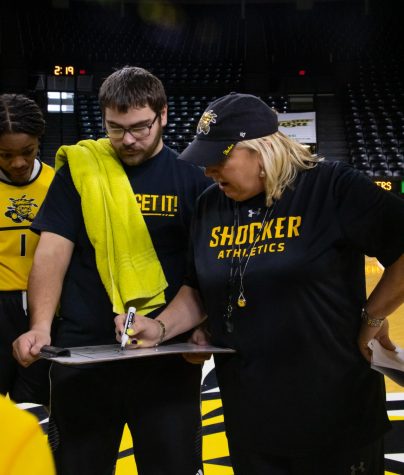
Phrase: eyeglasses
pixel 138 133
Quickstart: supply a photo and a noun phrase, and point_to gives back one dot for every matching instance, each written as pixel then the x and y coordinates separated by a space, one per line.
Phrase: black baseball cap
pixel 226 121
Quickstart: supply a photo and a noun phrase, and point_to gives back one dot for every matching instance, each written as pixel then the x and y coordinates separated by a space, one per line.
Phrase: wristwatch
pixel 372 322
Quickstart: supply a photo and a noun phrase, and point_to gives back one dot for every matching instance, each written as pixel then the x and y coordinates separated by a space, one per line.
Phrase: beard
pixel 141 150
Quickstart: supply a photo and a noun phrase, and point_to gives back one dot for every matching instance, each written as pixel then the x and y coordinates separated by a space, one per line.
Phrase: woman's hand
pixel 381 334
pixel 385 298
pixel 184 312
pixel 144 332
pixel 200 336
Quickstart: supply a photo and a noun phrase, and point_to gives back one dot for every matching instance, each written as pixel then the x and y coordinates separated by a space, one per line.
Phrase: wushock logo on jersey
pixel 21 209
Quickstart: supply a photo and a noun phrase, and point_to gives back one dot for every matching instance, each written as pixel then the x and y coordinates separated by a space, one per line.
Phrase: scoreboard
pixel 59 70
pixel 396 186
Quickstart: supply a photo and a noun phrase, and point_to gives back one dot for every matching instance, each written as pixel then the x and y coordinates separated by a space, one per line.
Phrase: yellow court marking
pixel 126 442
pixel 217 470
pixel 213 420
pixel 214 446
pixel 208 406
pixel 126 466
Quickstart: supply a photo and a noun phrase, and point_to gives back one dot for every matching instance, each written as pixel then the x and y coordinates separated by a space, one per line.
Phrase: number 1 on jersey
pixel 23 245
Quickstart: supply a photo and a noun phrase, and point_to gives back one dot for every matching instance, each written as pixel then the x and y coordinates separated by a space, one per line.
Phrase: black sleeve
pixel 190 277
pixel 193 182
pixel 60 212
pixel 371 218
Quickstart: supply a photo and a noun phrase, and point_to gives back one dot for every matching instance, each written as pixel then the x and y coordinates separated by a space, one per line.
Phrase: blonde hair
pixel 282 159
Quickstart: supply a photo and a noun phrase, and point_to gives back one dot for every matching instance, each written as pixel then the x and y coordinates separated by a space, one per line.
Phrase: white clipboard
pixel 102 353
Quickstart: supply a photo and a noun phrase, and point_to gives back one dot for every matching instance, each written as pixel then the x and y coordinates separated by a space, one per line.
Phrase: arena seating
pixel 374 119
pixel 186 41
pixel 201 51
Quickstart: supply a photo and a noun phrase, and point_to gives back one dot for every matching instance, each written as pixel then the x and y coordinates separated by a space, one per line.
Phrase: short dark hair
pixel 19 114
pixel 129 87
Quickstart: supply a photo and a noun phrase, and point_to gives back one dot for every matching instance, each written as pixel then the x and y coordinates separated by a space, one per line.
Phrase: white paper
pixel 102 353
pixel 389 363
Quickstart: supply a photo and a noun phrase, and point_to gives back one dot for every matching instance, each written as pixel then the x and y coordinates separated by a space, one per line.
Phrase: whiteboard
pixel 102 353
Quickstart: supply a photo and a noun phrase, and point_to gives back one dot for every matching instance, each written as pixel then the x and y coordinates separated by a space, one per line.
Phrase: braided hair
pixel 19 114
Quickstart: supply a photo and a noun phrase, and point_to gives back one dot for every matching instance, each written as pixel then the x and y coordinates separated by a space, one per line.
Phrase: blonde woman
pixel 277 265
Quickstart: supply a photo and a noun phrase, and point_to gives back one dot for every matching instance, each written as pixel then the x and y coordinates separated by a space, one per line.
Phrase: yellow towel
pixel 126 259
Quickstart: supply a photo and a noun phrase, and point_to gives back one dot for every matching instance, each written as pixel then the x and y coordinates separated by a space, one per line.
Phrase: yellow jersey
pixel 19 205
pixel 23 445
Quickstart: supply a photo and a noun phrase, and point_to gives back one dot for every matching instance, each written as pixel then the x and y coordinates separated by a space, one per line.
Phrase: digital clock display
pixel 59 70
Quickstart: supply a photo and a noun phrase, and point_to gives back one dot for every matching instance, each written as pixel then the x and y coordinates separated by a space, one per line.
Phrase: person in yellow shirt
pixel 24 182
pixel 23 446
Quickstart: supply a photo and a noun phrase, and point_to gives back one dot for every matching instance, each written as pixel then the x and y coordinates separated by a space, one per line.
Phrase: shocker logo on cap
pixel 208 117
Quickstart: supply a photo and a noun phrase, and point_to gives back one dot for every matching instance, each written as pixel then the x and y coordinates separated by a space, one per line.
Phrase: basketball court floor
pixel 215 450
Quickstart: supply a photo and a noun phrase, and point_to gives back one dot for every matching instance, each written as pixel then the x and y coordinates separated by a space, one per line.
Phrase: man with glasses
pixel 112 199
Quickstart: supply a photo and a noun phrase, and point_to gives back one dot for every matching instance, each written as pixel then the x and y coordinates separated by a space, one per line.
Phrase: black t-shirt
pixel 298 381
pixel 166 189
